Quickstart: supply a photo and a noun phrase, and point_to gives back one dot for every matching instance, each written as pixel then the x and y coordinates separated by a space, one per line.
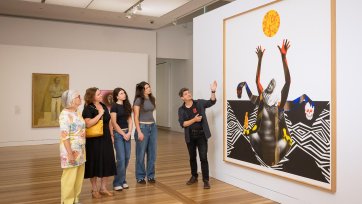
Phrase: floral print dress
pixel 72 127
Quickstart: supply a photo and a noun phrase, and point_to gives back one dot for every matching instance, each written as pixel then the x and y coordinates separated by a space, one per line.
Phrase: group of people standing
pixel 93 158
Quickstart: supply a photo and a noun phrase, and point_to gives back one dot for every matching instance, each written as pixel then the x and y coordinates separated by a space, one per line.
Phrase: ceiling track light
pixel 134 9
pixel 139 7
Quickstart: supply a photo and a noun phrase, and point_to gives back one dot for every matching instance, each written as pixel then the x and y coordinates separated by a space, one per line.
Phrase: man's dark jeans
pixel 198 141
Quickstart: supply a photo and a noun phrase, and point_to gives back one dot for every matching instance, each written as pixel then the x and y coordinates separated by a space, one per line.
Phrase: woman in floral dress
pixel 72 147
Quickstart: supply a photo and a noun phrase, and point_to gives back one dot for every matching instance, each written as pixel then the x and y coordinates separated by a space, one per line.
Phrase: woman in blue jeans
pixel 122 127
pixel 146 134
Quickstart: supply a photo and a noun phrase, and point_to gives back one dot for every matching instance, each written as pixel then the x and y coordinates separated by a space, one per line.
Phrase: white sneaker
pixel 118 188
pixel 125 186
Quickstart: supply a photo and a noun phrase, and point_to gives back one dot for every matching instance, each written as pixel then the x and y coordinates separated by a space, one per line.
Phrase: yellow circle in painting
pixel 271 23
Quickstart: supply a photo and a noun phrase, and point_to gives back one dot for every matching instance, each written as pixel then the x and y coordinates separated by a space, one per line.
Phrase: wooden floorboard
pixel 31 174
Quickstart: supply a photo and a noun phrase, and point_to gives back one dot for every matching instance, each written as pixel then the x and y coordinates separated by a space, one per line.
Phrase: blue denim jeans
pixel 147 145
pixel 123 153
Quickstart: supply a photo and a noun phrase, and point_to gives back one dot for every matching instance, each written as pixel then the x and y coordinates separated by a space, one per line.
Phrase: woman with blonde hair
pixel 72 147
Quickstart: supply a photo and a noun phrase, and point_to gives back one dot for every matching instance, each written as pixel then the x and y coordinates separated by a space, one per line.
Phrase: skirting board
pixel 257 189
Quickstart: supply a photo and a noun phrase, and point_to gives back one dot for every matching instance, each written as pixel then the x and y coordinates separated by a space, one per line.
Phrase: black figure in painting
pixel 269 136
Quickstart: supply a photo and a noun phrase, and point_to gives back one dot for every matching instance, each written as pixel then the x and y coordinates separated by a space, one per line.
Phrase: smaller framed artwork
pixel 46 98
pixel 107 98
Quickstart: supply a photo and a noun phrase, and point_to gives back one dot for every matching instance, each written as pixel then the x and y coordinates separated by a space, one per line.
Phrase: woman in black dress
pixel 99 150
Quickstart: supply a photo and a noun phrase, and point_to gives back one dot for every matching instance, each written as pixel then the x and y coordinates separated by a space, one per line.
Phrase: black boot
pixel 192 180
pixel 207 185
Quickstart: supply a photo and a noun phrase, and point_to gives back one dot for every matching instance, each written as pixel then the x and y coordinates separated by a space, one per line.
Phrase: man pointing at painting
pixel 193 119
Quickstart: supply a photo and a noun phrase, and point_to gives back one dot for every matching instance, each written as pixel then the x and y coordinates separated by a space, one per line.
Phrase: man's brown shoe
pixel 192 180
pixel 207 185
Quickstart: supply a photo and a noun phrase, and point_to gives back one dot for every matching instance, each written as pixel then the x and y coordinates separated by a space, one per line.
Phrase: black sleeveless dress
pixel 99 150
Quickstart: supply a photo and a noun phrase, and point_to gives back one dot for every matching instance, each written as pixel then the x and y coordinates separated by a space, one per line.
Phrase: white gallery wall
pixel 42 46
pixel 173 42
pixel 163 75
pixel 86 68
pixel 44 33
pixel 174 49
pixel 57 34
pixel 180 75
pixel 208 60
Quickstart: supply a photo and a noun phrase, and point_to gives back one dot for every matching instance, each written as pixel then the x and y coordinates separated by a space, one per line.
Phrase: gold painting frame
pixel 333 117
pixel 46 98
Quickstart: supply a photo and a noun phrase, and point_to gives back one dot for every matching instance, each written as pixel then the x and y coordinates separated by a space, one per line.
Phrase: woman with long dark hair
pixel 121 117
pixel 146 134
pixel 99 150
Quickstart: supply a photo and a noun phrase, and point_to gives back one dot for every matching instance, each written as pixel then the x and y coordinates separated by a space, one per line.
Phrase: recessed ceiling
pixel 72 3
pixel 154 8
pixel 160 7
pixel 153 14
pixel 111 5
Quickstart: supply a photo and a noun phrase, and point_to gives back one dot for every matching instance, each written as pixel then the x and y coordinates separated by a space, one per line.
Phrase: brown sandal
pixel 105 193
pixel 96 195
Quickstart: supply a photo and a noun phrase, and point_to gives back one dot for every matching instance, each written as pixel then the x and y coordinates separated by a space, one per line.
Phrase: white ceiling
pixel 72 3
pixel 111 5
pixel 160 7
pixel 154 13
pixel 155 8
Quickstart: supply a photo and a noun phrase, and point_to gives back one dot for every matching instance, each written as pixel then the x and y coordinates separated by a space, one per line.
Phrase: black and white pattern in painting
pixel 309 155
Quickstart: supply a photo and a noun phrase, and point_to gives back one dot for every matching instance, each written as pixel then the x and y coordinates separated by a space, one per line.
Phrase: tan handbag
pixel 96 130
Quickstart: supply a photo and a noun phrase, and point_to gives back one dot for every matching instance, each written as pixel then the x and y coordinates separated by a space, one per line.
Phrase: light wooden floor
pixel 31 174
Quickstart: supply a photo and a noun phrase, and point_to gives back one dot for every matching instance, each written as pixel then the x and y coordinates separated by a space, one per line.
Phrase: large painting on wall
pixel 46 98
pixel 279 90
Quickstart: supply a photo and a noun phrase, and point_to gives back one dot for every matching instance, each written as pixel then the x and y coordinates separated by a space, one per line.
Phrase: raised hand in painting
pixel 260 52
pixel 284 49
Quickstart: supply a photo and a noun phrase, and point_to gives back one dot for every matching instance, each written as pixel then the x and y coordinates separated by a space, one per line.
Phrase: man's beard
pixel 270 98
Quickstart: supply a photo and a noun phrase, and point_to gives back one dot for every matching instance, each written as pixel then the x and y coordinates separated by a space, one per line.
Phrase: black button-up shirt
pixel 200 105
